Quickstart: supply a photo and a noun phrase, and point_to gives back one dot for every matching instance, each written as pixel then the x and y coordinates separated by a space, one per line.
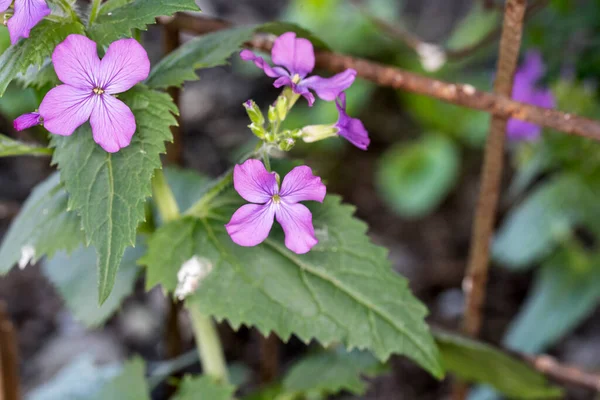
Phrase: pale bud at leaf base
pixel 314 133
pixel 256 116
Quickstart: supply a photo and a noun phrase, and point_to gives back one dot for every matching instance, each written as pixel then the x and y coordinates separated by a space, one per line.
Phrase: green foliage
pixel 32 53
pixel 203 387
pixel 74 277
pixel 415 178
pixel 330 372
pixel 44 225
pixel 128 385
pixel 477 362
pixel 109 190
pixel 10 147
pixel 546 217
pixel 327 294
pixel 278 28
pixel 565 291
pixel 475 26
pixel 187 186
pixel 205 51
pixel 118 22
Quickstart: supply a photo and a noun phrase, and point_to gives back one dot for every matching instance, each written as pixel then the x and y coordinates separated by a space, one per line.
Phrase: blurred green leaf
pixel 563 295
pixel 280 27
pixel 187 186
pixel 415 178
pixel 330 372
pixel 130 384
pixel 43 227
pixel 476 25
pixel 474 361
pixel 533 228
pixel 10 147
pixel 75 277
pixel 203 387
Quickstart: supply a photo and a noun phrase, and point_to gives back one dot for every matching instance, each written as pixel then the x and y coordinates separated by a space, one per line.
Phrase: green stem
pixel 266 159
pixel 207 338
pixel 201 207
pixel 209 345
pixel 95 11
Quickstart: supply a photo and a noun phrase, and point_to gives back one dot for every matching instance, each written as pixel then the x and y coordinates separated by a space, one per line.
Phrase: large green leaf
pixel 10 147
pixel 532 229
pixel 115 23
pixel 43 227
pixel 566 290
pixel 203 387
pixel 33 52
pixel 415 178
pixel 109 190
pixel 330 372
pixel 75 278
pixel 202 52
pixel 130 384
pixel 478 362
pixel 342 291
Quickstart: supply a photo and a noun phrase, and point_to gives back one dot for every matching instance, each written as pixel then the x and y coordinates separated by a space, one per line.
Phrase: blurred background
pixel 416 187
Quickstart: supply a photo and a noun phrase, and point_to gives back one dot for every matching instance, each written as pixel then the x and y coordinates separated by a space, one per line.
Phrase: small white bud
pixel 190 275
pixel 432 57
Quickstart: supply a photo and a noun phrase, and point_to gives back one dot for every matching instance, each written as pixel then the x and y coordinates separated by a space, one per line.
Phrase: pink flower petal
pixel 4 4
pixel 27 121
pixel 76 62
pixel 296 221
pixel 250 224
pixel 28 13
pixel 352 129
pixel 247 55
pixel 65 108
pixel 253 182
pixel 297 55
pixel 300 185
pixel 113 123
pixel 125 64
pixel 329 88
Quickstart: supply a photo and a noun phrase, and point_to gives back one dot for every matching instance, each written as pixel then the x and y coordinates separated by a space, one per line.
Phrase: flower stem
pixel 94 12
pixel 207 338
pixel 209 345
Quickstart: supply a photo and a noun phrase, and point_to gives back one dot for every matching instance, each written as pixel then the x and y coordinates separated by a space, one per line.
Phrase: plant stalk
pixel 94 11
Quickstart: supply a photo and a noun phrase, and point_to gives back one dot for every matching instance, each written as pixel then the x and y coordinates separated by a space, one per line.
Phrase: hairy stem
pixel 164 198
pixel 209 346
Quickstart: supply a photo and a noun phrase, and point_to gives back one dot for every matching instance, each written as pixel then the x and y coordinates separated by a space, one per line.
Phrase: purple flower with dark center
pixel 89 86
pixel 250 224
pixel 295 59
pixel 28 13
pixel 26 121
pixel 352 129
pixel 525 90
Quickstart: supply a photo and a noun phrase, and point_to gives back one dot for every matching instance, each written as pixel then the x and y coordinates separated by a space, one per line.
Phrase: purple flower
pixel 27 15
pixel 294 60
pixel 26 121
pixel 526 91
pixel 251 223
pixel 88 88
pixel 352 129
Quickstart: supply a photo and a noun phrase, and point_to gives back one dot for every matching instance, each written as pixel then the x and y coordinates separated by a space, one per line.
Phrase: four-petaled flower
pixel 294 60
pixel 89 84
pixel 27 15
pixel 526 91
pixel 251 223
pixel 352 129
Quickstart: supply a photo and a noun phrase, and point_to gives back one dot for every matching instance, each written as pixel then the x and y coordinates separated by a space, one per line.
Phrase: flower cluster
pixel 525 90
pixel 27 14
pixel 87 93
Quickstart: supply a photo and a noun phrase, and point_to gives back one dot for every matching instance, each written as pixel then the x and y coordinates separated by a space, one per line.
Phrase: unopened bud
pixel 254 113
pixel 281 107
pixel 272 114
pixel 259 131
pixel 314 133
pixel 269 137
pixel 287 144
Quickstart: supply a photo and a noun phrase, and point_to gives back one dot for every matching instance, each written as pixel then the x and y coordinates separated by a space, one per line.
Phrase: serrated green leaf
pixel 205 51
pixel 44 226
pixel 74 277
pixel 344 290
pixel 330 372
pixel 562 296
pixel 474 361
pixel 415 178
pixel 130 384
pixel 203 387
pixel 34 51
pixel 280 27
pixel 532 229
pixel 37 78
pixel 115 23
pixel 109 190
pixel 10 147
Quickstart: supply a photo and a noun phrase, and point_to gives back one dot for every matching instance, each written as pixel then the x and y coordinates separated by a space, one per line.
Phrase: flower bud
pixel 281 107
pixel 258 130
pixel 272 115
pixel 254 113
pixel 287 144
pixel 314 133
